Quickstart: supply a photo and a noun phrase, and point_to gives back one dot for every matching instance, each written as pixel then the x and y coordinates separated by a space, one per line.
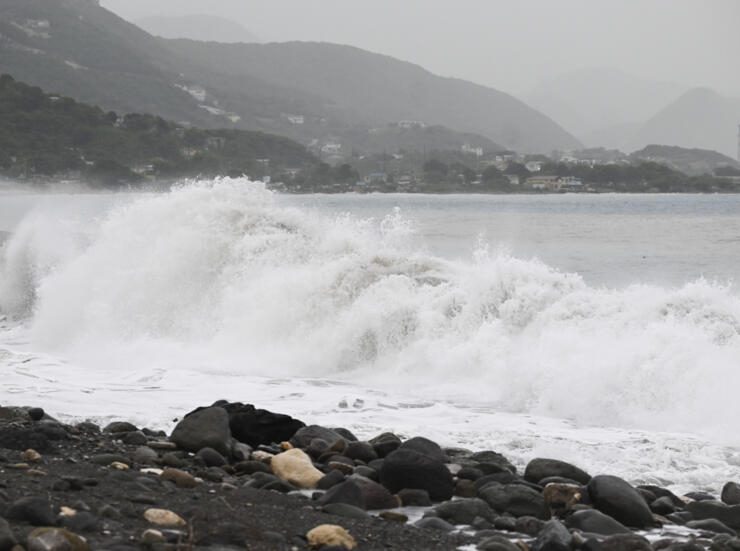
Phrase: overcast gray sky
pixel 510 45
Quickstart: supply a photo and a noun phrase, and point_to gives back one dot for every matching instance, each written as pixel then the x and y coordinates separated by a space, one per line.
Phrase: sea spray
pixel 219 278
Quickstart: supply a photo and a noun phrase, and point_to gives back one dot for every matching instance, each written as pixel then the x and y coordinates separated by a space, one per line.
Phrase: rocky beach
pixel 231 476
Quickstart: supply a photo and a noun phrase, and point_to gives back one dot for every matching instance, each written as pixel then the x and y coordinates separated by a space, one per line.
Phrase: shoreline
pixel 265 480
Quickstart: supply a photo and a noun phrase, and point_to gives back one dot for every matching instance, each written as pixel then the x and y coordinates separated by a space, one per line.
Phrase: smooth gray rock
pixel 595 522
pixel 542 468
pixel 434 523
pixel 554 536
pixel 515 499
pixel 347 492
pixel 727 514
pixel 204 428
pixel 712 525
pixel 7 538
pixel 618 499
pixel 425 447
pixel 409 469
pixel 302 438
pixel 464 511
pixel 731 493
pixel 33 510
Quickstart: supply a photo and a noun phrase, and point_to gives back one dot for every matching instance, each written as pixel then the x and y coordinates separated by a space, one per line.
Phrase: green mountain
pixel 306 91
pixel 43 135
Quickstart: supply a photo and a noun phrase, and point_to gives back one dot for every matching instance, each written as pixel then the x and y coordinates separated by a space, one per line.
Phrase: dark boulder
pixel 36 414
pixel 411 497
pixel 211 458
pixel 374 495
pixel 700 496
pixel 711 525
pixel 663 506
pixel 33 510
pixel 595 522
pixel 727 514
pixel 346 492
pixel 731 493
pixel 362 451
pixel 515 499
pixel 618 499
pixel 491 462
pixel 540 468
pixel 625 542
pixel 304 435
pixel 203 428
pixel 497 543
pixel 409 469
pixel 434 523
pixel 16 438
pixel 659 492
pixel 554 536
pixel 345 433
pixel 120 426
pixel 465 511
pixel 7 538
pixel 258 426
pixel 426 447
pixel 331 479
pixel 345 510
pixel 385 443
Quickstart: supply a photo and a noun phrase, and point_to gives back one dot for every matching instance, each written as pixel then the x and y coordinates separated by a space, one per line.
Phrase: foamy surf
pixel 217 290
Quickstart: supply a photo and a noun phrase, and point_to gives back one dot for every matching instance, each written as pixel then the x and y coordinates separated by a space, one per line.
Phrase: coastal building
pixel 411 124
pixel 513 179
pixel 533 166
pixel 472 150
pixel 296 119
pixel 555 183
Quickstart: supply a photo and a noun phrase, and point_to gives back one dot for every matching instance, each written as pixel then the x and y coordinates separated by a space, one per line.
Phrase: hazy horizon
pixel 509 46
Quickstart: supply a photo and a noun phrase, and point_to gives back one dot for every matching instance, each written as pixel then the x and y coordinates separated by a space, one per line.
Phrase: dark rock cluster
pixel 231 476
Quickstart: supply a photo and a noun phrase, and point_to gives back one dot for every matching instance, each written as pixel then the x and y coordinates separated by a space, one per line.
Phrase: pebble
pixel 330 535
pixel 55 539
pixel 181 479
pixel 164 517
pixel 150 536
pixel 31 456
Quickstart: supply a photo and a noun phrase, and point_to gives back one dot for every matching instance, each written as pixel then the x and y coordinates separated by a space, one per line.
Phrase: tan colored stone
pixel 119 466
pixel 328 535
pixel 286 446
pixel 164 517
pixel 55 539
pixel 67 511
pixel 295 466
pixel 560 498
pixel 264 457
pixel 31 456
pixel 180 478
pixel 152 536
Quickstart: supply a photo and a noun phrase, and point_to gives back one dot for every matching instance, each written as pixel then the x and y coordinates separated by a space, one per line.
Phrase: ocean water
pixel 604 330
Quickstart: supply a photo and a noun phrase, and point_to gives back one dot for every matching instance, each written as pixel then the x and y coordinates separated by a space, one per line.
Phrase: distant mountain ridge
pixel 691 161
pixel 602 106
pixel 206 28
pixel 304 91
pixel 700 118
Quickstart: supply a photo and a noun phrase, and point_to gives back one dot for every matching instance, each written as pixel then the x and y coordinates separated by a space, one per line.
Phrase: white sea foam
pixel 199 293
